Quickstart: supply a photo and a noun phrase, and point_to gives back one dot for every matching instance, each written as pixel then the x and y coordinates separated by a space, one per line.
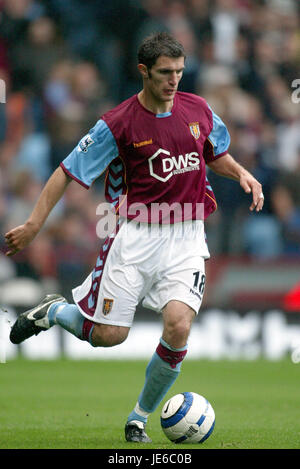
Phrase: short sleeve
pixel 218 141
pixel 93 154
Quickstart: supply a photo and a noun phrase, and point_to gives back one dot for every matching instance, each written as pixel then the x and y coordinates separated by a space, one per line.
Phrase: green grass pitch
pixel 84 404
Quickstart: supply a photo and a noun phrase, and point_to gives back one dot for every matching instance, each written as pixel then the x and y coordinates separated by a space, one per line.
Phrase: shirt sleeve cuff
pixel 73 177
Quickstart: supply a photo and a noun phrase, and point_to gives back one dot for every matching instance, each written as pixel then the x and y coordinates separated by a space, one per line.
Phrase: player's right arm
pixel 18 238
pixel 84 164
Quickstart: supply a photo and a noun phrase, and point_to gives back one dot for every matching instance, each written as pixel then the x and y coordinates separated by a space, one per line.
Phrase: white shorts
pixel 152 263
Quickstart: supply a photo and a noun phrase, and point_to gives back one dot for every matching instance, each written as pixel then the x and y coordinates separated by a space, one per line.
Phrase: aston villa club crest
pixel 107 306
pixel 195 129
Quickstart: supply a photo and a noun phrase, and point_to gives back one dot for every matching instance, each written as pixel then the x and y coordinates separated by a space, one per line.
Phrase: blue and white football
pixel 187 418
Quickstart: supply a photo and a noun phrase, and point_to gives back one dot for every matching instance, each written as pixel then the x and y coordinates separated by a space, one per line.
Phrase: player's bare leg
pixel 178 318
pixel 104 335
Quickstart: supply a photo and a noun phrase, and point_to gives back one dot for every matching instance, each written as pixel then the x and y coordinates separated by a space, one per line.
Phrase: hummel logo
pixel 142 144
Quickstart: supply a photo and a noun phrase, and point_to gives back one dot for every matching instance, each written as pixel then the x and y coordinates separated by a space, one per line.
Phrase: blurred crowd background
pixel 65 62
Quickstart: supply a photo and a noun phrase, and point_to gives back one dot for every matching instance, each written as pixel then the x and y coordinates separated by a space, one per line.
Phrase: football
pixel 187 418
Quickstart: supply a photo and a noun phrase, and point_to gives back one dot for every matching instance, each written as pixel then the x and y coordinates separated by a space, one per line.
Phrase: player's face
pixel 164 77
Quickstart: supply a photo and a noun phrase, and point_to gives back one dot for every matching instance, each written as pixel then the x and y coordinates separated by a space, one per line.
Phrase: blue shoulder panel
pixel 219 136
pixel 93 154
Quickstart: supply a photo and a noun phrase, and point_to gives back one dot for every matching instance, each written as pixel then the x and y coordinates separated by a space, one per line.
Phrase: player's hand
pixel 251 185
pixel 18 238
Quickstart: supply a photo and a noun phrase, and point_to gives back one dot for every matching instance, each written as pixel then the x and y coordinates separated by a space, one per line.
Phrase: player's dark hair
pixel 156 45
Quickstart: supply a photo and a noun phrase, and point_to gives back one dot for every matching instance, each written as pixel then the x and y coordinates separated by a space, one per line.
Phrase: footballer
pixel 154 148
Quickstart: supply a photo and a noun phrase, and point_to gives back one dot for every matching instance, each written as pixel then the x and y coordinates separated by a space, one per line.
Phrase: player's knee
pixel 176 333
pixel 107 336
pixel 177 324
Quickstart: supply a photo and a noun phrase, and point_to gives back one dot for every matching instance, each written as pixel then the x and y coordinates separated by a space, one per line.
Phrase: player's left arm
pixel 227 166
